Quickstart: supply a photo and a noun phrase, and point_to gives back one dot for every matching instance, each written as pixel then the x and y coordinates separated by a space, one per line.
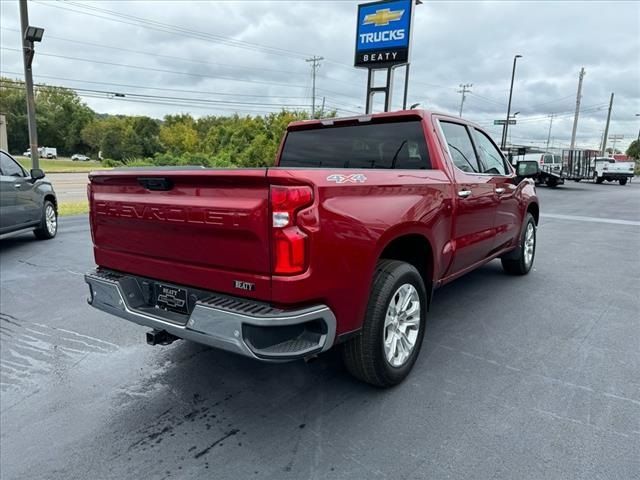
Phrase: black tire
pixel 364 356
pixel 599 180
pixel 552 182
pixel 623 181
pixel 47 230
pixel 577 180
pixel 516 262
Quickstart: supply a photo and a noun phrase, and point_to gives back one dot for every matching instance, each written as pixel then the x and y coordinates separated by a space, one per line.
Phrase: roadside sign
pixel 383 33
pixel 502 122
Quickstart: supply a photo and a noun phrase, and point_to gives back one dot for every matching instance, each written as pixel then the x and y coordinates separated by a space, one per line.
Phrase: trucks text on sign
pixel 383 33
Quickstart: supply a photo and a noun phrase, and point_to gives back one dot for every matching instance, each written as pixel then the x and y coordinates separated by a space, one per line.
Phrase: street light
pixel 506 125
pixel 34 34
pixel 30 34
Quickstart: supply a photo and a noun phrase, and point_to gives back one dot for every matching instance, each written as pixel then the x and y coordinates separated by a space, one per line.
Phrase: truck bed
pixel 200 228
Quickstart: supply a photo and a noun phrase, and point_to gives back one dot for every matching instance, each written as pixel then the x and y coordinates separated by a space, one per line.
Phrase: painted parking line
pixel 580 218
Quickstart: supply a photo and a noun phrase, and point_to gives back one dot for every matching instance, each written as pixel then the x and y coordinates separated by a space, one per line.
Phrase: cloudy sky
pixel 249 57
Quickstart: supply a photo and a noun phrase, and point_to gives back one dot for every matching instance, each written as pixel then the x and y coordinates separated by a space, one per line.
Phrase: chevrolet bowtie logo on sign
pixel 383 17
pixel 382 36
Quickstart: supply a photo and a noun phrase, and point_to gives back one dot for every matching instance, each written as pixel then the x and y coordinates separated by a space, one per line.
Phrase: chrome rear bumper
pixel 249 328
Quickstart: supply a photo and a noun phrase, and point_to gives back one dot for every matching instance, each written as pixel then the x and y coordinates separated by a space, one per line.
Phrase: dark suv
pixel 27 201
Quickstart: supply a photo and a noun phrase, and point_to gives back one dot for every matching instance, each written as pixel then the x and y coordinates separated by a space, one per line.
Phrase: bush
pixel 107 162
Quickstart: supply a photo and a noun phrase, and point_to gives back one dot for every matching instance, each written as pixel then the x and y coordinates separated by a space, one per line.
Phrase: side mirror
pixel 36 174
pixel 527 168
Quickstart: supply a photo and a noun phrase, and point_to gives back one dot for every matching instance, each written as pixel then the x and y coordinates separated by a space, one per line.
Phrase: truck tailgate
pixel 194 227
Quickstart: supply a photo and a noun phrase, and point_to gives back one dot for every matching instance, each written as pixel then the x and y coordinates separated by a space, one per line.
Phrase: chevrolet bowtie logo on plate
pixel 383 17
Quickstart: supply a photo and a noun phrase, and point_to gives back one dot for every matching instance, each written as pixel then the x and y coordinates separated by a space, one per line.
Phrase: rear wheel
pixel 598 179
pixel 49 222
pixel 386 349
pixel 623 181
pixel 520 261
pixel 552 182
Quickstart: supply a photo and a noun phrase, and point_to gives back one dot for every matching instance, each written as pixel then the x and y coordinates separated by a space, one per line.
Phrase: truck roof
pixel 415 113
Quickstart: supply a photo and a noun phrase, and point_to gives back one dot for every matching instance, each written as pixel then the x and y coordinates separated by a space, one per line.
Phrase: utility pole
pixel 549 135
pixel 575 118
pixel 506 124
pixel 465 89
pixel 606 128
pixel 315 64
pixel 27 57
pixel 324 99
pixel 615 138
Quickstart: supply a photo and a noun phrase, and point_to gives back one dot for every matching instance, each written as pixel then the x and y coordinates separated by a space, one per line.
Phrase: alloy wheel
pixel 51 219
pixel 402 325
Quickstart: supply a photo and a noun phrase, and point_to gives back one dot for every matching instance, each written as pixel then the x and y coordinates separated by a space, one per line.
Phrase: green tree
pixel 123 138
pixel 178 134
pixel 60 117
pixel 13 104
pixel 634 150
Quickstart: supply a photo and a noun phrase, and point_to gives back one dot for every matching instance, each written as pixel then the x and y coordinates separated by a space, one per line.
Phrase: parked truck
pixel 43 152
pixel 610 170
pixel 342 244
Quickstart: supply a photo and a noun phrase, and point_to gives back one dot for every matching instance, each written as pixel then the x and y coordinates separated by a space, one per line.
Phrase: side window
pixel 9 166
pixel 460 146
pixel 489 155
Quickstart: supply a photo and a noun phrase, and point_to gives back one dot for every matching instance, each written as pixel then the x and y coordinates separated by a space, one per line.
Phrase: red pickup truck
pixel 343 242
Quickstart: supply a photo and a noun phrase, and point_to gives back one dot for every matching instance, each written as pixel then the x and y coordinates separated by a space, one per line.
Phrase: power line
pixel 221 77
pixel 139 95
pixel 587 109
pixel 487 99
pixel 144 87
pixel 157 55
pixel 263 109
pixel 106 14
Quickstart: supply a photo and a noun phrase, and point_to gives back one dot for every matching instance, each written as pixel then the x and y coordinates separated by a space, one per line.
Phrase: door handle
pixel 499 190
pixel 464 193
pixel 17 185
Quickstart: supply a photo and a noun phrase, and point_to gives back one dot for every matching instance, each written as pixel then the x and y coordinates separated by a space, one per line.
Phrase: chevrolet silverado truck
pixel 342 243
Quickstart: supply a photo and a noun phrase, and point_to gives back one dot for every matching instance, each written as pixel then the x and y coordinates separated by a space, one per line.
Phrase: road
pixel 519 378
pixel 69 187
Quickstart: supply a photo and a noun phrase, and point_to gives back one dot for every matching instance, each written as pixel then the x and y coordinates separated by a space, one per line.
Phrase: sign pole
pixel 367 109
pixel 388 90
pixel 406 86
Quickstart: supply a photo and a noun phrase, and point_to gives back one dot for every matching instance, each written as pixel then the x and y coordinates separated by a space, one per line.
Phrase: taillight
pixel 289 241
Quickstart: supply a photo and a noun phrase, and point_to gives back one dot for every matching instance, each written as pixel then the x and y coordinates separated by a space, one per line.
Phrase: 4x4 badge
pixel 354 178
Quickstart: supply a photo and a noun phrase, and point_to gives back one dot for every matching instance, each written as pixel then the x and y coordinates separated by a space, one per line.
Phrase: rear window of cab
pixel 398 145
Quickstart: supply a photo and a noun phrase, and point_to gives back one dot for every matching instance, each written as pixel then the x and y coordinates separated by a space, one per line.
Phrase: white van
pixel 549 162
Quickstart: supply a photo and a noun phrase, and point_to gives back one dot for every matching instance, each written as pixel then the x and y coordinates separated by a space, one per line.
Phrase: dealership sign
pixel 383 33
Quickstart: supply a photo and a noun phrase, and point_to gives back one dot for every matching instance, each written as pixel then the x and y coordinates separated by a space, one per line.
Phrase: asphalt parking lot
pixel 519 378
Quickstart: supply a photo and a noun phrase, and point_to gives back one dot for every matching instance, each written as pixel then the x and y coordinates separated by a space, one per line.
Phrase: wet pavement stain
pixel 29 349
pixel 219 441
